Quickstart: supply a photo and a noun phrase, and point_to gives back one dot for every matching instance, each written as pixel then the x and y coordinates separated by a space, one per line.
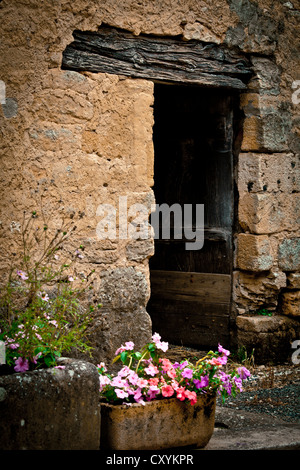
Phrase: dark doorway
pixel 193 146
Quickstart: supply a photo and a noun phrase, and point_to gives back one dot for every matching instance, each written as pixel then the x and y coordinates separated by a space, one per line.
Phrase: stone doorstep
pixel 260 324
pixel 270 337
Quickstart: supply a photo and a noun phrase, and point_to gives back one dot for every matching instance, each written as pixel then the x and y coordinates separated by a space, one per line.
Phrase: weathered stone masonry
pixel 84 139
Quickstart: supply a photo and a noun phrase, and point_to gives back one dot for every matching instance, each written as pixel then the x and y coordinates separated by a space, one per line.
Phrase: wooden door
pixel 191 289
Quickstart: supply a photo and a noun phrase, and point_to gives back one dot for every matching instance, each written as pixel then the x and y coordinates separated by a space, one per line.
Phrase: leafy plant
pixel 243 357
pixel 264 312
pixel 145 375
pixel 41 310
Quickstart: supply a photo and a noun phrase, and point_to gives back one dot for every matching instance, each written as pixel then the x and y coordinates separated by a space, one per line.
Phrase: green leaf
pixel 123 356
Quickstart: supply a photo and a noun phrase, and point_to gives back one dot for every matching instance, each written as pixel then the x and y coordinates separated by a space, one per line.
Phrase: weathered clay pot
pixel 51 409
pixel 159 424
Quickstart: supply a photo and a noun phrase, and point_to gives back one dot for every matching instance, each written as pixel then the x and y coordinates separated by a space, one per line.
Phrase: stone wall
pixel 83 139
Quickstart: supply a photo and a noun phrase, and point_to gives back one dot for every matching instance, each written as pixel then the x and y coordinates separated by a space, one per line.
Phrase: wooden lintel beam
pixel 161 59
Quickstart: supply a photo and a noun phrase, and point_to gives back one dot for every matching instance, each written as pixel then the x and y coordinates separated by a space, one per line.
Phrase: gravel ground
pixel 282 403
pixel 274 390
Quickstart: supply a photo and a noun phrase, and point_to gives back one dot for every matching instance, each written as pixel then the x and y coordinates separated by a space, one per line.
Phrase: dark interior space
pixel 193 146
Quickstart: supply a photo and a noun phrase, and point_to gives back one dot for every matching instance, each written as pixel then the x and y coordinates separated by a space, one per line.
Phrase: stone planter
pixel 159 424
pixel 51 409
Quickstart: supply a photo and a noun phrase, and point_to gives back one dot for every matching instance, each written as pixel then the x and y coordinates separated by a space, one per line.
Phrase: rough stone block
pixel 267 124
pixel 140 250
pixel 259 213
pixel 63 107
pixel 51 409
pixel 254 252
pixel 289 254
pixel 263 213
pixel 290 303
pixel 124 293
pixel 199 32
pixel 276 172
pixel 54 137
pixel 254 291
pixel 267 75
pixel 252 134
pixel 68 80
pixel 293 281
pixel 270 337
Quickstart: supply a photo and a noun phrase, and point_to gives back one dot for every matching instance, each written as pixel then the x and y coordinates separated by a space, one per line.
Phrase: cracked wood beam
pixel 161 59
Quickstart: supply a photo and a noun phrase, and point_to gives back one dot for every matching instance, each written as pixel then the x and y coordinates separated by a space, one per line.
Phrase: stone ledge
pixel 269 337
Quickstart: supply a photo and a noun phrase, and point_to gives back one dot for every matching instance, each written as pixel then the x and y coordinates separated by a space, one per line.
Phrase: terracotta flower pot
pixel 159 424
pixel 51 409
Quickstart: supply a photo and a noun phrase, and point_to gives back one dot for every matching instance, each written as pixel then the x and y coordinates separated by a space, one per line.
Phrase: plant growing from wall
pixel 264 312
pixel 42 312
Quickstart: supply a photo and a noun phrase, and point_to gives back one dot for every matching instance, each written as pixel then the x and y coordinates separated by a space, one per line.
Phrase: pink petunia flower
pixel 223 351
pixel 102 366
pixel 163 345
pixel 118 382
pixel 152 392
pixel 238 383
pixel 167 391
pixel 137 394
pixel 133 378
pixel 171 373
pixel 120 350
pixel 187 373
pixel 129 345
pixel 124 372
pixel 175 384
pixel 166 364
pixel 156 337
pixel 203 382
pixel 160 344
pixel 142 382
pixel 151 370
pixel 35 358
pixel 215 361
pixel 192 396
pixel 243 372
pixel 103 381
pixel 121 393
pixel 21 365
pixel 180 393
pixel 153 381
